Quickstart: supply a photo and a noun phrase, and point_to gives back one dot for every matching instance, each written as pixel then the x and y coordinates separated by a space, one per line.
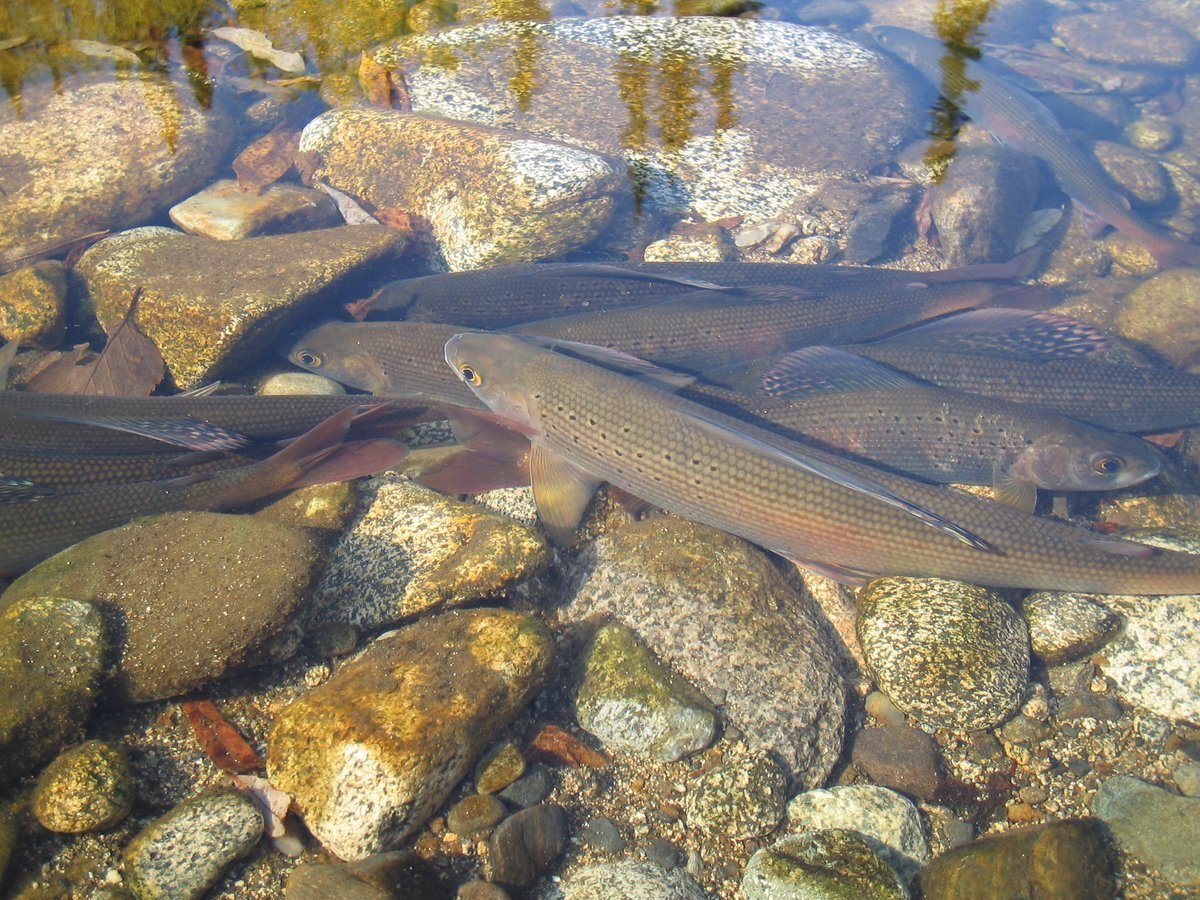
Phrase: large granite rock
pixel 369 755
pixel 717 116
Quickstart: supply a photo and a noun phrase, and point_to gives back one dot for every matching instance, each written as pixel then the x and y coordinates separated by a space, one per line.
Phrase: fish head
pixel 333 350
pixel 1089 460
pixel 493 366
pixel 902 43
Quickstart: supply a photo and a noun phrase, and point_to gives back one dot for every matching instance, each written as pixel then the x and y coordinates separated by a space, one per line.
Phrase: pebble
pixel 742 797
pixel 1105 37
pixel 821 864
pixel 904 759
pixel 711 245
pixel 227 213
pixel 1065 627
pixel 633 703
pixel 53 653
pixel 947 653
pixel 1152 824
pixel 184 614
pixel 981 203
pixel 524 845
pixel 1137 174
pixel 531 788
pixel 1067 858
pixel 499 767
pixel 602 834
pixel 891 824
pixel 303 384
pixel 384 876
pixel 183 853
pixel 1187 779
pixel 630 879
pixel 1152 133
pixel 475 813
pixel 87 788
pixel 883 710
pixel 1163 312
pixel 413 711
pixel 481 890
pixel 663 853
pixel 33 305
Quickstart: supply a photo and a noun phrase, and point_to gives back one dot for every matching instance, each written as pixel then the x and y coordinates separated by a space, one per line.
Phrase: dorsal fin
pixel 1007 332
pixel 816 370
pixel 604 270
pixel 617 361
pixel 179 431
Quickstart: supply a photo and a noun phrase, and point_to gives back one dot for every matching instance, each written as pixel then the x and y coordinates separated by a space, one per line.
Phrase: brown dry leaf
pixel 398 219
pixel 383 87
pixel 359 309
pixel 219 740
pixel 558 747
pixel 267 159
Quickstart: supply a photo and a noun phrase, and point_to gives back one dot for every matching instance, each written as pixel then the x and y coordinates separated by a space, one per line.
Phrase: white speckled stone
pixel 1153 661
pixel 299 384
pixel 628 879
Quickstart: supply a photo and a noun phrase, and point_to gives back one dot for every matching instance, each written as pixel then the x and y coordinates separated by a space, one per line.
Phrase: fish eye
pixel 1108 465
pixel 309 359
pixel 469 375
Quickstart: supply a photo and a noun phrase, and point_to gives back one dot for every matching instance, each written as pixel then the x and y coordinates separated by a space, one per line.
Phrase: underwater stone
pixel 523 845
pixel 33 305
pixel 822 865
pixel 1105 37
pixel 1164 314
pixel 1063 627
pixel 226 212
pixel 1153 825
pixel 982 202
pixel 740 798
pixel 631 880
pixel 87 788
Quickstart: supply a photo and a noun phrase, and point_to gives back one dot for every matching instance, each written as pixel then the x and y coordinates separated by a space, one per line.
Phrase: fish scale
pixel 647 442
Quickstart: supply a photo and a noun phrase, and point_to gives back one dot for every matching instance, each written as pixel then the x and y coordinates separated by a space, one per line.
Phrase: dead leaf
pixel 267 159
pixel 219 740
pixel 352 213
pixel 359 309
pixel 1167 441
pixel 397 218
pixel 259 45
pixel 375 83
pixel 307 162
pixel 128 366
pixel 561 748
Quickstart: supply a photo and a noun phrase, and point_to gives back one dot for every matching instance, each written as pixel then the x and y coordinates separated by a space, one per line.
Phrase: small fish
pixel 589 425
pixel 33 527
pixel 1018 119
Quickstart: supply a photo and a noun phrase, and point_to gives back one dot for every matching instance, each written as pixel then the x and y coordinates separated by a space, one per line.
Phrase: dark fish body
pixel 33 421
pixel 692 461
pixel 1021 121
pixel 66 471
pixel 1119 397
pixel 509 295
pixel 33 529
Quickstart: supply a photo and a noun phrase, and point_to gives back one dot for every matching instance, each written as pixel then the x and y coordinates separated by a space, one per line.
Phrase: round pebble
pixel 531 788
pixel 1063 627
pixel 1106 37
pixel 299 384
pixel 1152 133
pixel 475 813
pixel 602 834
pixel 87 788
pixel 631 879
pixel 741 798
pixel 822 864
pixel 499 767
pixel 523 845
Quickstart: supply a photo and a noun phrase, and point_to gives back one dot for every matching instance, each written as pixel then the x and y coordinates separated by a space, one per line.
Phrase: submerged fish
pixel 509 295
pixel 28 471
pixel 32 527
pixel 1021 121
pixel 590 425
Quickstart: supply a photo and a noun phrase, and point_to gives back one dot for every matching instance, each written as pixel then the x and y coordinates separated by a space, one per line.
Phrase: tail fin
pixel 1172 254
pixel 1023 265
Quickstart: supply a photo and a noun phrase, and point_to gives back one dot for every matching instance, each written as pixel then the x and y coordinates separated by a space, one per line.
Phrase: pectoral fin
pixel 561 491
pixel 1013 490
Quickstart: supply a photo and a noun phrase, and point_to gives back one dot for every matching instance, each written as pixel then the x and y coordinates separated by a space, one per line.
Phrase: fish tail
pixel 1021 266
pixel 1175 254
pixel 1025 296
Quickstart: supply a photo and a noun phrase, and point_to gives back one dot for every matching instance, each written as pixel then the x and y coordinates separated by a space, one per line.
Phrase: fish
pixel 510 295
pixel 24 472
pixel 113 425
pixel 34 527
pixel 1018 119
pixel 589 424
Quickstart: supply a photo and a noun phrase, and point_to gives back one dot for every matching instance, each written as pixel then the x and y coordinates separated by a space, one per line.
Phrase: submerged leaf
pixel 352 213
pixel 219 740
pixel 559 747
pixel 267 159
pixel 273 802
pixel 259 45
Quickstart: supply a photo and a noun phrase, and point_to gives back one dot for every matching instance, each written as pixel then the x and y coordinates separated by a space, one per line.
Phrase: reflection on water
pixel 959 24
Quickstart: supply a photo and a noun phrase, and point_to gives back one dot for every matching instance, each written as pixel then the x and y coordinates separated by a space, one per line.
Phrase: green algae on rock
pixel 210 306
pixel 632 702
pixel 87 788
pixel 33 305
pixel 741 797
pixel 53 652
pixel 188 596
pixel 487 196
pixel 369 755
pixel 831 864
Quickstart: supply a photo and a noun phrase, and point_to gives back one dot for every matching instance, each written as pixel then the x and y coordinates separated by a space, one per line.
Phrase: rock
pixel 714 609
pixel 475 813
pixel 1067 859
pixel 301 384
pixel 414 551
pixel 481 890
pixel 947 653
pixel 1106 37
pixel 1152 133
pixel 630 880
pixel 845 13
pixel 384 876
pixel 189 595
pixel 530 789
pixel 94 157
pixel 1164 313
pixel 52 655
pixel 982 202
pixel 904 759
pixel 1063 627
pixel 212 306
pixel 1163 511
pixel 327 507
pixel 33 305
pixel 8 840
pixel 183 853
pixel 632 703
pixel 484 196
pixel 499 767
pixel 1153 825
pixel 822 864
pixel 525 844
pixel 87 788
pixel 662 853
pixel 709 245
pixel 613 85
pixel 226 212
pixel 867 235
pixel 890 823
pixel 412 713
pixel 602 834
pixel 1137 174
pixel 740 798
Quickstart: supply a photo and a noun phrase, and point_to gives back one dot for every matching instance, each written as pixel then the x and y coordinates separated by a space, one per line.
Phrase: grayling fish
pixel 1018 119
pixel 590 425
pixel 34 526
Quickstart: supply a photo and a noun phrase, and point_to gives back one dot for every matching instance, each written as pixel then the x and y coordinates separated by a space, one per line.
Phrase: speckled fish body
pixel 63 471
pixel 1018 119
pixel 32 421
pixel 1119 397
pixel 32 529
pixel 509 295
pixel 667 451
